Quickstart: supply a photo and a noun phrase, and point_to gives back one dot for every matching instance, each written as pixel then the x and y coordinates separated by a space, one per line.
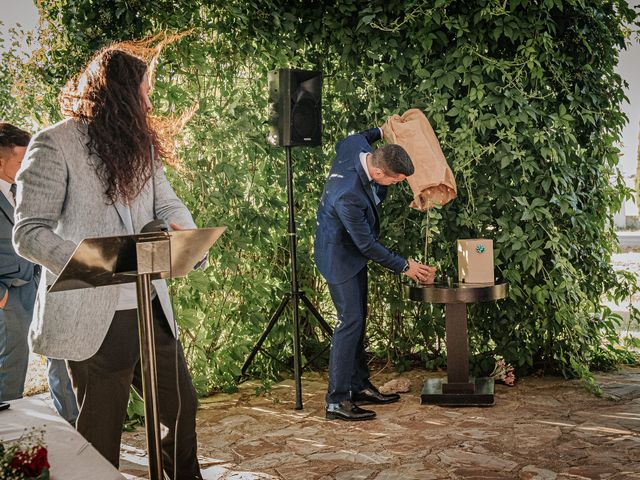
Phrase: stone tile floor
pixel 543 428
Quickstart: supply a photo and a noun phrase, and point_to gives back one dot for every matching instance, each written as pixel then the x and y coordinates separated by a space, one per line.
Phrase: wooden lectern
pixel 139 258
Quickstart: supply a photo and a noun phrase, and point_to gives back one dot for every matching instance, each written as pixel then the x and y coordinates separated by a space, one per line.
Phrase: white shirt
pixel 363 161
pixel 363 158
pixel 6 190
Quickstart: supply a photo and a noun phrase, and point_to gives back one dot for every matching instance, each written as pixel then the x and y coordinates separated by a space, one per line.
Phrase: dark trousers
pixel 102 385
pixel 348 370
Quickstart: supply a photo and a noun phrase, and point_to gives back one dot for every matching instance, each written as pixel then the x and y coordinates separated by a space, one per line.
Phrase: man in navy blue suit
pixel 347 237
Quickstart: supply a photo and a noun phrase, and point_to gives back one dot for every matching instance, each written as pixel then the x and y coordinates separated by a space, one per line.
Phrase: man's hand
pixel 3 302
pixel 420 273
pixel 176 227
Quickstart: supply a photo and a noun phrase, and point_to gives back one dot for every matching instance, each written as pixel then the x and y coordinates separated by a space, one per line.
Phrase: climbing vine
pixel 522 95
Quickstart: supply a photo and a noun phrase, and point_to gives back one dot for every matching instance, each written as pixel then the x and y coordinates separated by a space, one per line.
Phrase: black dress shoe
pixel 372 395
pixel 347 410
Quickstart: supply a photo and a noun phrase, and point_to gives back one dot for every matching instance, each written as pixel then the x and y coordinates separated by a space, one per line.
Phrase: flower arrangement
pixel 503 372
pixel 25 458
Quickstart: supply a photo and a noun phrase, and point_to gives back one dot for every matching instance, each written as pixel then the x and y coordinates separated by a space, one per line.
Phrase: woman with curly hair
pixel 91 176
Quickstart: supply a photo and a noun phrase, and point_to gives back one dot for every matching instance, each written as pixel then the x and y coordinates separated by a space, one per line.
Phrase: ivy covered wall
pixel 525 102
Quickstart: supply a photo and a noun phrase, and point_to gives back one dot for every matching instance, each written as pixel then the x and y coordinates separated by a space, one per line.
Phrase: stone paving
pixel 542 428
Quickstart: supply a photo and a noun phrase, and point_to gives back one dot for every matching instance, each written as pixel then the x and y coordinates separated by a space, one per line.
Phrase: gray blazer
pixel 61 202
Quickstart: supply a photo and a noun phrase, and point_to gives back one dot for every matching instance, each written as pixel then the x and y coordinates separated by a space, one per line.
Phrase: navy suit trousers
pixel 348 371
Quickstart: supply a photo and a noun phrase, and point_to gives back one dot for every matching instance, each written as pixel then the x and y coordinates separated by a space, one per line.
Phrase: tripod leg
pixel 317 355
pixel 297 360
pixel 323 324
pixel 263 337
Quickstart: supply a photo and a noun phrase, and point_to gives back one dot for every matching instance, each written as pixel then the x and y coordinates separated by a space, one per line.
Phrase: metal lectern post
pixel 149 375
pixel 153 256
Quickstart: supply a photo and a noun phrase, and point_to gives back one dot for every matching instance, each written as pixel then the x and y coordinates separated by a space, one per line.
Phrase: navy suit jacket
pixel 348 226
pixel 14 270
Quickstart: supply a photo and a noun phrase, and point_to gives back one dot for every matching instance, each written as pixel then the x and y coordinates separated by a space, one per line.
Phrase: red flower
pixel 31 463
pixel 39 461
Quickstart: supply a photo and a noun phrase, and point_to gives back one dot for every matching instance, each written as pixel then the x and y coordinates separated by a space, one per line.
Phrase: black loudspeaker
pixel 295 108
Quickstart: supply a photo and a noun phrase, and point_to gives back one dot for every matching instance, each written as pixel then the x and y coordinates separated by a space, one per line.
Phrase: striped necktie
pixel 13 189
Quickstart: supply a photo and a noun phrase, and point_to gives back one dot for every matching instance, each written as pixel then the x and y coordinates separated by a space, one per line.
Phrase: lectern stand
pixel 140 258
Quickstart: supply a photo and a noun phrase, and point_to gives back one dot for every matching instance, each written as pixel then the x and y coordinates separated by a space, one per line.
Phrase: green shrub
pixel 522 95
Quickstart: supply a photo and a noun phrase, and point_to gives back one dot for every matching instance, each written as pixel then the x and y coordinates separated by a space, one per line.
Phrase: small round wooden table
pixel 458 389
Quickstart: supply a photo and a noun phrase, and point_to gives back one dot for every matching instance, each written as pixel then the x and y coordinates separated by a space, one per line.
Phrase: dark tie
pixel 13 189
pixel 374 189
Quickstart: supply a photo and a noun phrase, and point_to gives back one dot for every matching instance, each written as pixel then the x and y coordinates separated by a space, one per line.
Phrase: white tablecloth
pixel 71 457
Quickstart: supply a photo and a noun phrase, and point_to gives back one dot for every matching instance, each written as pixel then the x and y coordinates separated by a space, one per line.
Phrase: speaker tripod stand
pixel 294 295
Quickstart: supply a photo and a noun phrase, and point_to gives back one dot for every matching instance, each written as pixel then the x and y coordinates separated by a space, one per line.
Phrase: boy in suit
pixel 18 282
pixel 347 237
pixel 18 286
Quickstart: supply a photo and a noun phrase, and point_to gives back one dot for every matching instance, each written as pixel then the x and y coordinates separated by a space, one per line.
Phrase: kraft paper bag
pixel 432 182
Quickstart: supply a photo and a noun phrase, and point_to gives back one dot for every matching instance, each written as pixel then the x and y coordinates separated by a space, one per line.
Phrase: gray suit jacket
pixel 61 201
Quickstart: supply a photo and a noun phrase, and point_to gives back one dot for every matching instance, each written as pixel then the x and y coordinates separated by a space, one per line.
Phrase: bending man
pixel 348 228
pixel 18 286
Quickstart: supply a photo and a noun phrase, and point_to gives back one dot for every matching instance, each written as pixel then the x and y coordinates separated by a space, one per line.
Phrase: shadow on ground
pixel 543 428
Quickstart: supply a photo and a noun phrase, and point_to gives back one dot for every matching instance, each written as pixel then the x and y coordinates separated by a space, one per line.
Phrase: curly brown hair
pixel 106 96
